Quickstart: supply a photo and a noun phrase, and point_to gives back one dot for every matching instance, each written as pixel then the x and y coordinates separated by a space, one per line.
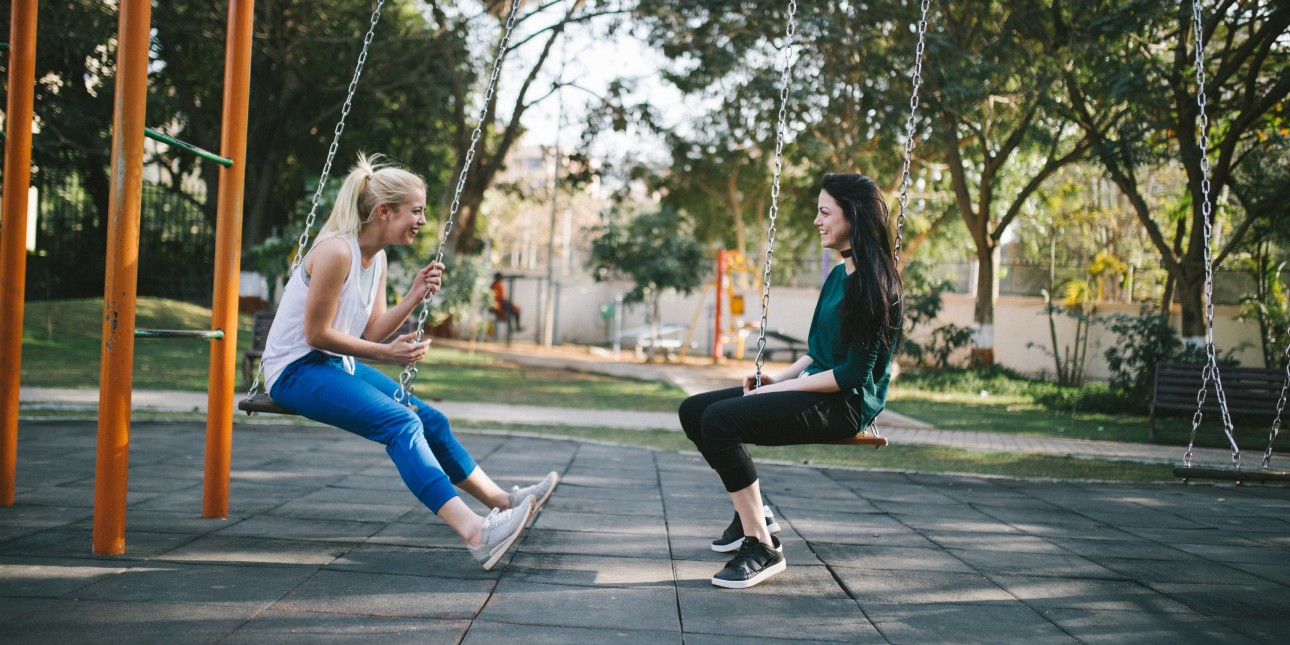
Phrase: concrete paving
pixel 324 544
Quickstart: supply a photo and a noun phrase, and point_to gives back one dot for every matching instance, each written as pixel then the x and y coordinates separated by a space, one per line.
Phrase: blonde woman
pixel 333 311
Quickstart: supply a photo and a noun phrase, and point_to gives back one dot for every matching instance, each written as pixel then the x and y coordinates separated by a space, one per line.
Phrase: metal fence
pixel 176 242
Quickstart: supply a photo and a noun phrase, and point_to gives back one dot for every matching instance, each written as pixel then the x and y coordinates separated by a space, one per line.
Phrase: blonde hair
pixel 369 184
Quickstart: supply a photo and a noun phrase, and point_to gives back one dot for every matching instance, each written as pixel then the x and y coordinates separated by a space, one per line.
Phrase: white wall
pixel 1018 321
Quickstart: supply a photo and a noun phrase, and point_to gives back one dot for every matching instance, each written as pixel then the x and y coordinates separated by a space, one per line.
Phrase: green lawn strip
pixel 1019 414
pixel 927 459
pixel 508 383
pixel 62 344
pixel 62 348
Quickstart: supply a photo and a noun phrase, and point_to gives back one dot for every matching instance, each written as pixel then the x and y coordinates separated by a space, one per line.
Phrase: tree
pixel 1137 102
pixel 657 252
pixel 541 26
pixel 849 100
pixel 992 97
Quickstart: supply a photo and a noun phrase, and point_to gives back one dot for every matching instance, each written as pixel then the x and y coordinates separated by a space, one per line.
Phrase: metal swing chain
pixel 917 79
pixel 785 77
pixel 409 373
pixel 1211 359
pixel 303 241
pixel 1281 404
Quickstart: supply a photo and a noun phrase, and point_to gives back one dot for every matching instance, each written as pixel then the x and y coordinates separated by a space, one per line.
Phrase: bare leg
pixel 748 505
pixel 482 488
pixel 462 520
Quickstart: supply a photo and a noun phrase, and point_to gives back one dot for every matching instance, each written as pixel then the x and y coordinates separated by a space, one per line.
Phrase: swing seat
pixel 1231 474
pixel 262 403
pixel 863 439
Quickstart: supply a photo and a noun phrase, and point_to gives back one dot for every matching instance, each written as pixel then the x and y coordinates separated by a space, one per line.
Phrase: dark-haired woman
pixel 831 393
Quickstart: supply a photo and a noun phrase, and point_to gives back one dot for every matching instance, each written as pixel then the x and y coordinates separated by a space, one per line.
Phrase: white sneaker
pixel 540 491
pixel 500 530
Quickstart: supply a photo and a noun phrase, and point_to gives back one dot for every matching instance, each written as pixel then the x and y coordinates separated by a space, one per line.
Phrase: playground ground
pixel 323 543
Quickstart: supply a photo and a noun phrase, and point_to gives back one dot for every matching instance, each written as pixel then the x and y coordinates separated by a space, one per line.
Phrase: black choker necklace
pixel 846 253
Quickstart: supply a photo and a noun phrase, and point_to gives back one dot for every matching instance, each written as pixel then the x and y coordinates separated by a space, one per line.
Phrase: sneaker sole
pixel 774 569
pixel 773 528
pixel 506 546
pixel 541 502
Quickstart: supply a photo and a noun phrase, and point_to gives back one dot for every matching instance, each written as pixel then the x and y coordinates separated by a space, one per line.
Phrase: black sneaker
pixel 734 535
pixel 754 563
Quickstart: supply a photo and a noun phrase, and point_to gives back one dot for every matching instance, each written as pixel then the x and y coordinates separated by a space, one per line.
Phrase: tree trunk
pixel 1190 291
pixel 987 288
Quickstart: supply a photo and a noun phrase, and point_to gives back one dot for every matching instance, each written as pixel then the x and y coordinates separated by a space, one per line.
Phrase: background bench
pixel 1250 391
pixel 259 336
pixel 794 346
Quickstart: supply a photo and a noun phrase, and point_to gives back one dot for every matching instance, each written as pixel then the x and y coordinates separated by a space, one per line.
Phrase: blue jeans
pixel 420 443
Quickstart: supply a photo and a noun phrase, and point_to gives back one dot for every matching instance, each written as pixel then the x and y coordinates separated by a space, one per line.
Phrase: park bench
pixel 670 338
pixel 259 336
pixel 794 346
pixel 1250 391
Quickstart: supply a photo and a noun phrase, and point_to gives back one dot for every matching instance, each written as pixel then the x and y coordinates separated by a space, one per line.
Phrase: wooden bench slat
pixel 1249 391
pixel 1232 474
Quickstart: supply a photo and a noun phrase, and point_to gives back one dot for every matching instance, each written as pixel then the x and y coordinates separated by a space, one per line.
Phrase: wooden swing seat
pixel 862 439
pixel 1231 474
pixel 262 403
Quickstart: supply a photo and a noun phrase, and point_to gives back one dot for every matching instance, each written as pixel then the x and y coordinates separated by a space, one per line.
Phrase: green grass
pixel 927 459
pixel 452 375
pixel 62 348
pixel 1020 414
pixel 62 345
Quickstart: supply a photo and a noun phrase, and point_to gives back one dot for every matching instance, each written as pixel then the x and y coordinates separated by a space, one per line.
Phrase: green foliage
pixel 465 288
pixel 992 379
pixel 654 250
pixel 1144 341
pixel 923 302
pixel 1268 305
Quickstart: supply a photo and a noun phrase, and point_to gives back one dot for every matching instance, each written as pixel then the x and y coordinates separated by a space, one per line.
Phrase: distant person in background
pixel 504 309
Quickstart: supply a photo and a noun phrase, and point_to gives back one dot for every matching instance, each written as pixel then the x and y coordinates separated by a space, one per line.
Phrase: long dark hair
pixel 871 307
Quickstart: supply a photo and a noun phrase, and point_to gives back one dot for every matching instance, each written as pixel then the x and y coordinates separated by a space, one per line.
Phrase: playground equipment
pixel 732 276
pixel 1211 370
pixel 121 275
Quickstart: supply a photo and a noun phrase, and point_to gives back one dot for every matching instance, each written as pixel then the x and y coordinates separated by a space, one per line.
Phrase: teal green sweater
pixel 859 369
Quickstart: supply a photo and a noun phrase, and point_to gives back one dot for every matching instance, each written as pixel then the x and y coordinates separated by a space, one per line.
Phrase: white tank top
pixel 286 342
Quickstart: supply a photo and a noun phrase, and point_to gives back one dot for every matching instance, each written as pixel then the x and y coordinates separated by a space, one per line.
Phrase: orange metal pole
pixel 228 254
pixel 116 372
pixel 13 232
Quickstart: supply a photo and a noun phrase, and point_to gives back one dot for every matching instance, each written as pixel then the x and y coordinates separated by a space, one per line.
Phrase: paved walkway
pixel 900 429
pixel 323 544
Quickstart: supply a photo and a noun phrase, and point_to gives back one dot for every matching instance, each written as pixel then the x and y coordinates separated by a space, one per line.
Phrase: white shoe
pixel 500 530
pixel 540 491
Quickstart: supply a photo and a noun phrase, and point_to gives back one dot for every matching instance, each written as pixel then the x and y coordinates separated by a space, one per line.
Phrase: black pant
pixel 721 422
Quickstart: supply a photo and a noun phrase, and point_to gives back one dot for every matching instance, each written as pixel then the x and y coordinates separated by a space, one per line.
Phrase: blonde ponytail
pixel 369 184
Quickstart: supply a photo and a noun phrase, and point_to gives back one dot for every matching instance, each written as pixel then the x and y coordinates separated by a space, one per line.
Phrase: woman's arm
pixel 383 322
pixel 328 268
pixel 847 376
pixel 791 373
pixel 822 382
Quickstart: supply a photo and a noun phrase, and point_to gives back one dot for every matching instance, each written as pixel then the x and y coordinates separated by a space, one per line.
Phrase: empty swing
pixel 1211 370
pixel 256 401
pixel 870 435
